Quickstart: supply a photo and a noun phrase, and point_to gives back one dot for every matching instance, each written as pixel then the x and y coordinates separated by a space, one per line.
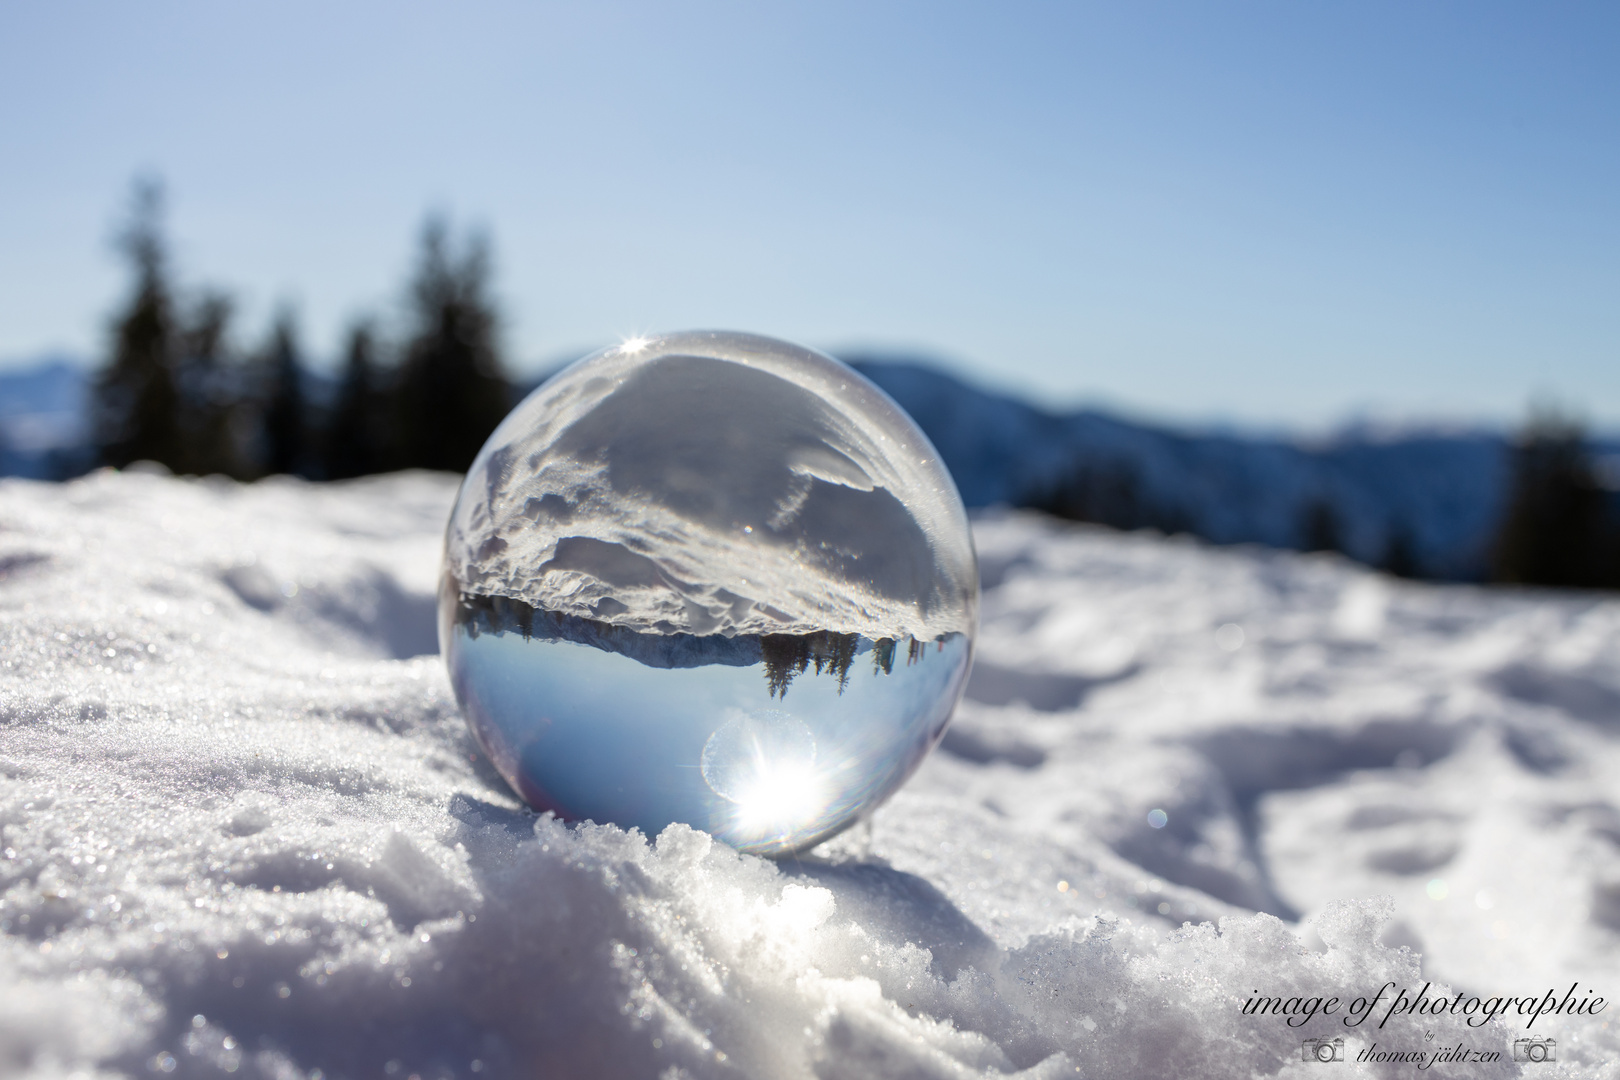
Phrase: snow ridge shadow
pixel 991 684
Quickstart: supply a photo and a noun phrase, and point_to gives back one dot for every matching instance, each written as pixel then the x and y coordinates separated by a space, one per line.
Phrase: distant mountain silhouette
pixel 1430 501
pixel 43 426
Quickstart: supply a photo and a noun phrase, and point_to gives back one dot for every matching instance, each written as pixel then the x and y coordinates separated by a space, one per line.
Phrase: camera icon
pixel 1534 1050
pixel 1323 1050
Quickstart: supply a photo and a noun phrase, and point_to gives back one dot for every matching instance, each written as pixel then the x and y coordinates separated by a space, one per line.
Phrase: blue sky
pixel 1277 214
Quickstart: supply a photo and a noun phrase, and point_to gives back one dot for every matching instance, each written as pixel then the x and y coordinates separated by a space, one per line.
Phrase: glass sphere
pixel 709 578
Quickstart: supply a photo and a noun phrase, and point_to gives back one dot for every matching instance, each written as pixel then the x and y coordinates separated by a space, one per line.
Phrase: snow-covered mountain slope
pixel 245 831
pixel 43 426
pixel 1438 493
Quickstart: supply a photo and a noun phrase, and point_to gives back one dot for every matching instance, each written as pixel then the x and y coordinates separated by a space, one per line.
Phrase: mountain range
pixel 1421 502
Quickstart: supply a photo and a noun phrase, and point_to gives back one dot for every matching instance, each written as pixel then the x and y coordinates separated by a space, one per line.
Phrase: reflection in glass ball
pixel 710 578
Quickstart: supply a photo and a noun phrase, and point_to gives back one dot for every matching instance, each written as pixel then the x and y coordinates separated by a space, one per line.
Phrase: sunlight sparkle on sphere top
pixel 709 578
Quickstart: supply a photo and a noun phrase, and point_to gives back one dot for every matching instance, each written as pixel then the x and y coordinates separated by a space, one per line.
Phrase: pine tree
pixel 284 405
pixel 1559 527
pixel 356 442
pixel 137 404
pixel 1319 526
pixel 452 391
pixel 208 386
pixel 1400 554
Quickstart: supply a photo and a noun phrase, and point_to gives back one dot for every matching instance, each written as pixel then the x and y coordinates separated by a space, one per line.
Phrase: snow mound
pixel 245 831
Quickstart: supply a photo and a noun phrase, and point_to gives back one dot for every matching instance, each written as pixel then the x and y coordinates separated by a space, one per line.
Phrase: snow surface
pixel 246 832
pixel 716 483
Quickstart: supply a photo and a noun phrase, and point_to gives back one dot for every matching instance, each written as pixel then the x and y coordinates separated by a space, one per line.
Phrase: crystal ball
pixel 709 578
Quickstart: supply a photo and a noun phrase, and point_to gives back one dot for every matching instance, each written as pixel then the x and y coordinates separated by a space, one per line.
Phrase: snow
pixel 246 832
pixel 716 483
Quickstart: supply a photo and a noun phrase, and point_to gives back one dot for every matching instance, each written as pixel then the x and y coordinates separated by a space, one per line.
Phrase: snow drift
pixel 245 831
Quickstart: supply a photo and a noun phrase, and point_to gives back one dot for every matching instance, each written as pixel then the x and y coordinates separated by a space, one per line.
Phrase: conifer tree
pixel 136 400
pixel 1400 554
pixel 284 405
pixel 1319 526
pixel 1559 527
pixel 209 385
pixel 357 436
pixel 452 390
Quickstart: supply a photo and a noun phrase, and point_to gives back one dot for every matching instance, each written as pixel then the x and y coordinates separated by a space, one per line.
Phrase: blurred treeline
pixel 179 390
pixel 1560 525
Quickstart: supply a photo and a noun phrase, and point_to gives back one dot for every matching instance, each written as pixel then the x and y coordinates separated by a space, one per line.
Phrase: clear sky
pixel 1285 214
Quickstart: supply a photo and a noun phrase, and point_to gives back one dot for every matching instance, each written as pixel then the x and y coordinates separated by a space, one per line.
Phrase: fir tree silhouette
pixel 136 410
pixel 356 442
pixel 787 656
pixel 283 418
pixel 1319 526
pixel 1559 527
pixel 883 656
pixel 209 385
pixel 1400 554
pixel 452 389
